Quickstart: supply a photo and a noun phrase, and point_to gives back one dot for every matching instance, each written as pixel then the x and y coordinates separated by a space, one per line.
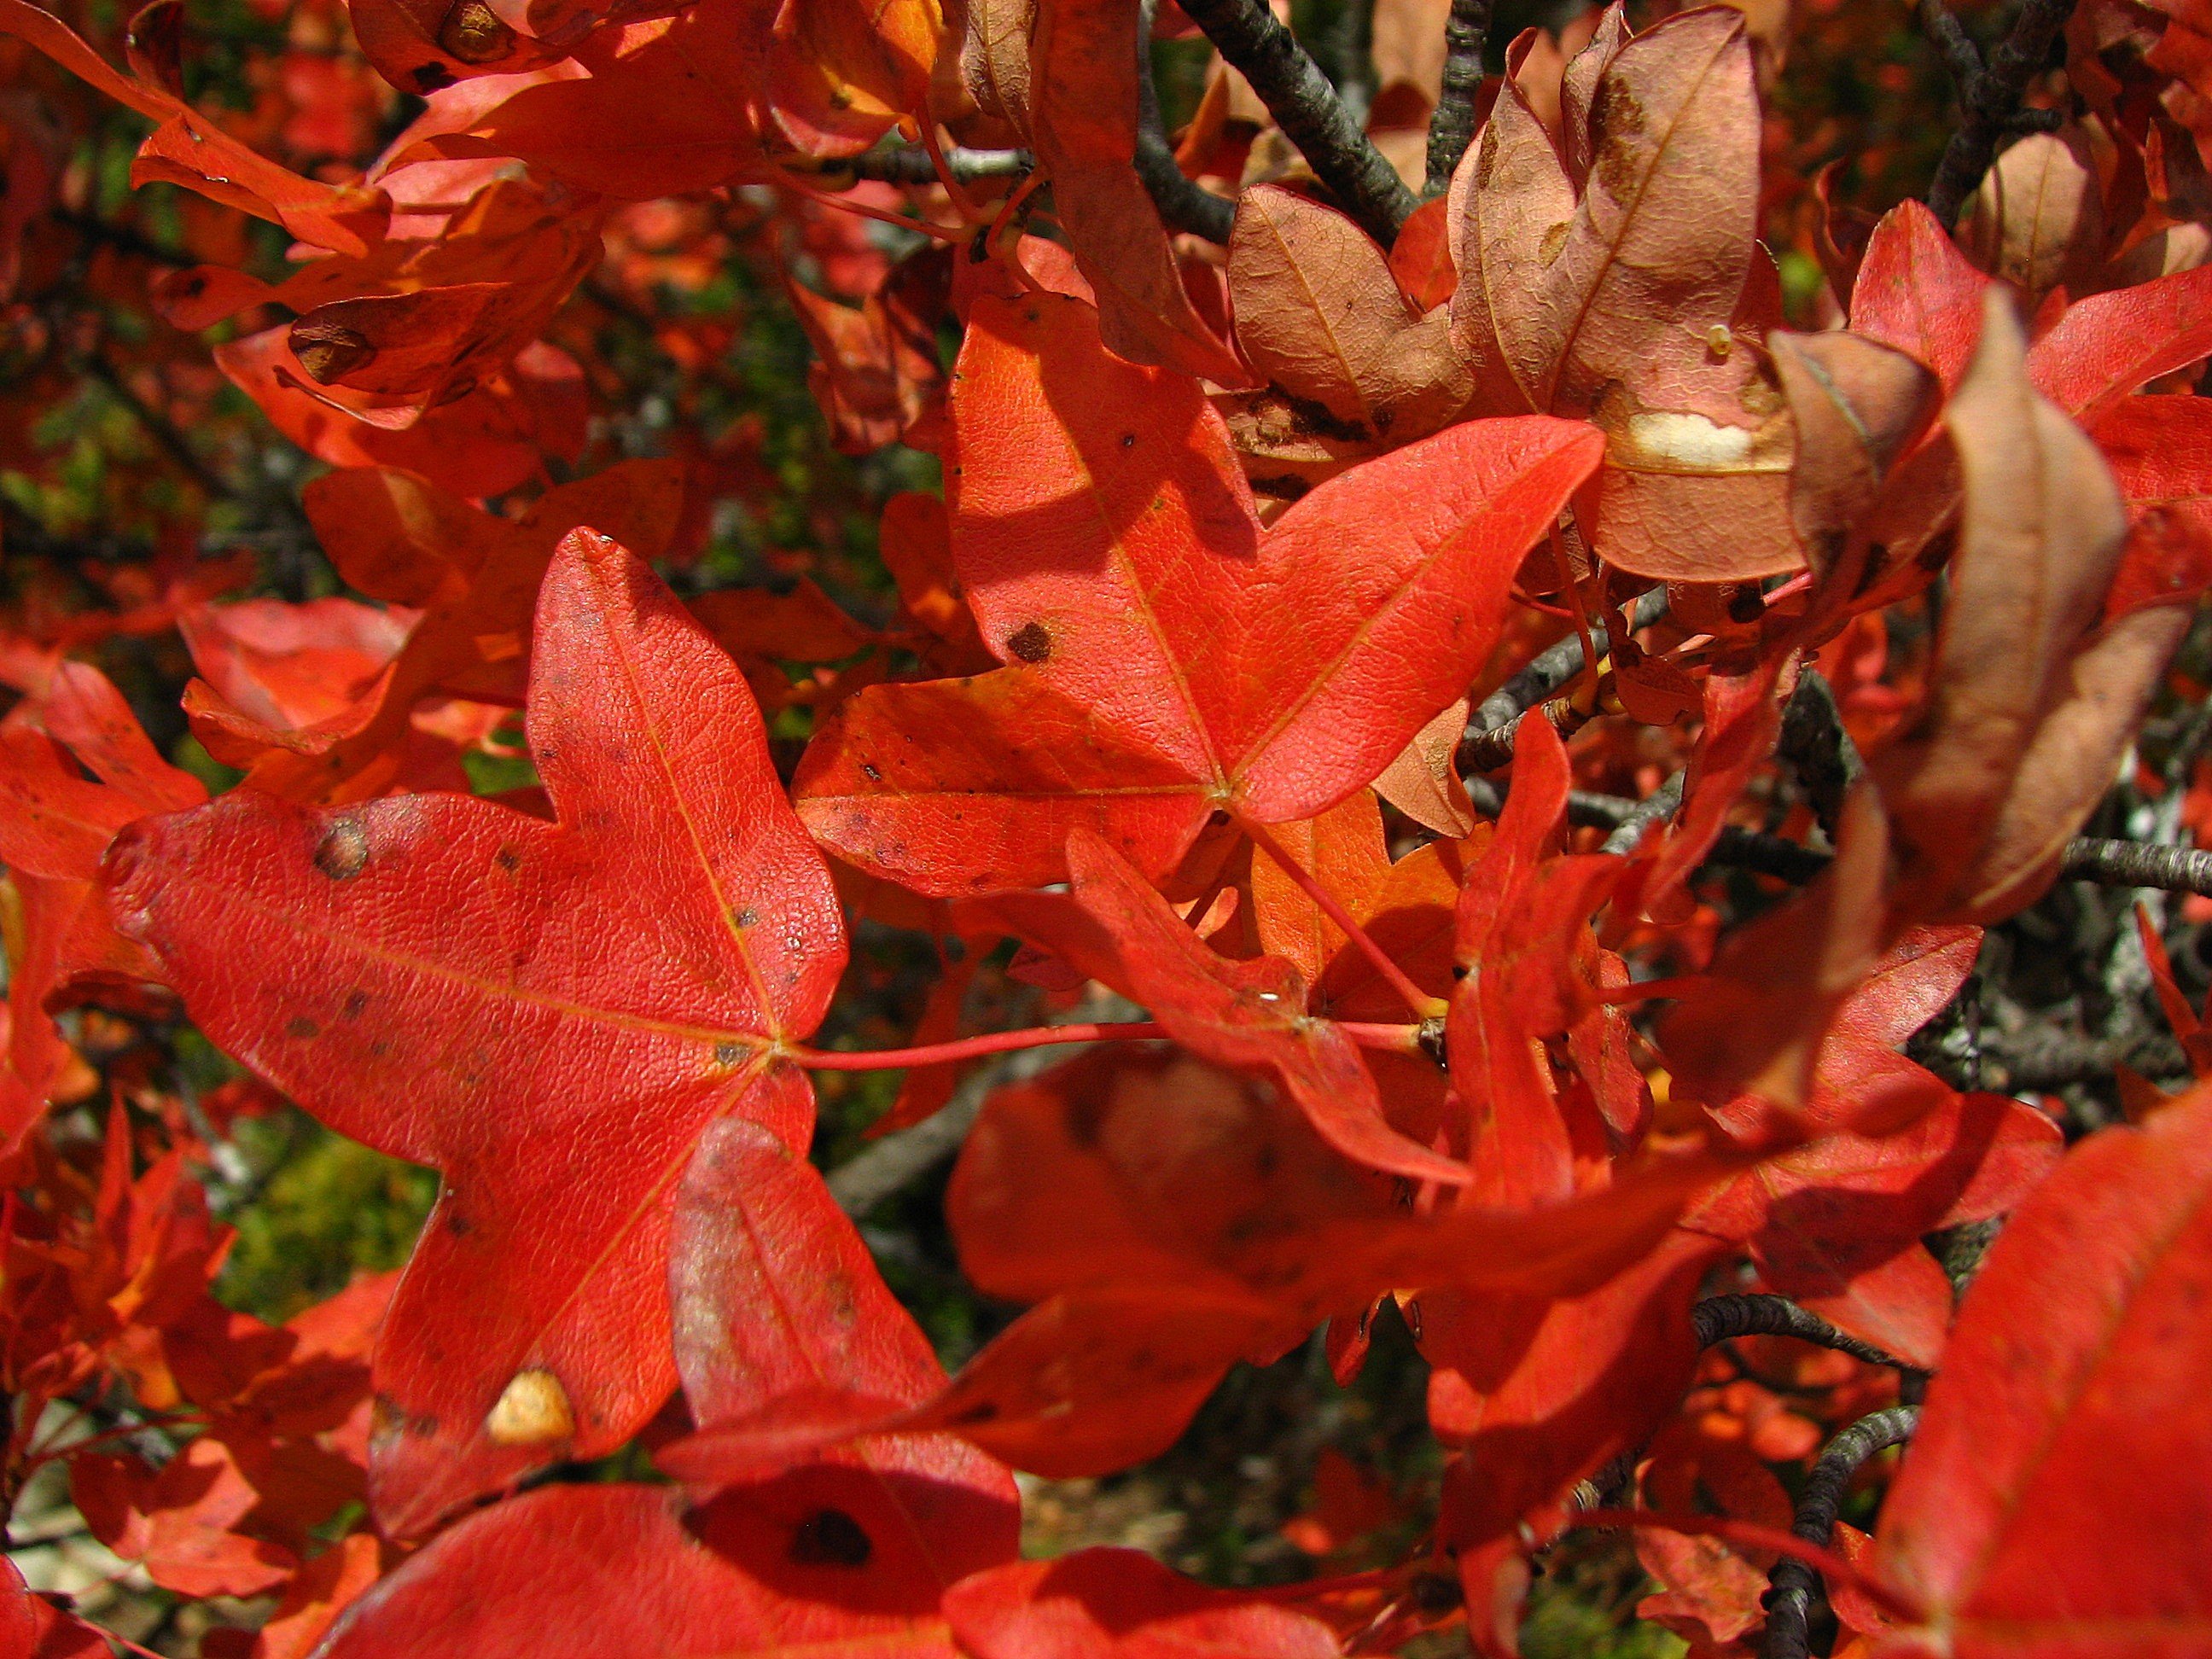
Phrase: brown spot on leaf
pixel 473 33
pixel 301 1028
pixel 1031 642
pixel 330 351
pixel 343 853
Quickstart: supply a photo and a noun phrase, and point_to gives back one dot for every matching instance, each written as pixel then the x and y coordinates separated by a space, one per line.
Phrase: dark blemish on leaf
pixel 458 1224
pixel 432 77
pixel 473 33
pixel 746 917
pixel 302 1028
pixel 728 1054
pixel 1128 440
pixel 355 1002
pixel 869 773
pixel 343 853
pixel 192 286
pixel 344 850
pixel 330 351
pixel 832 1538
pixel 1309 418
pixel 1617 126
pixel 508 858
pixel 1031 642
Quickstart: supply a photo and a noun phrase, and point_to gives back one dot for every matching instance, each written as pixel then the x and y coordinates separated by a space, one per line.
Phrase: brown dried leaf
pixel 1604 275
pixel 2038 221
pixel 1319 313
pixel 1856 403
pixel 2028 711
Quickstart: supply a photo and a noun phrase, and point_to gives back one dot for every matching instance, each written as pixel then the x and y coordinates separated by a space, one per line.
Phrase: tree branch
pixel 2087 858
pixel 1306 107
pixel 1182 205
pixel 2137 864
pixel 156 426
pixel 1660 803
pixel 1989 95
pixel 1453 125
pixel 1724 1318
pixel 909 164
pixel 868 1178
pixel 1790 1586
pixel 1489 741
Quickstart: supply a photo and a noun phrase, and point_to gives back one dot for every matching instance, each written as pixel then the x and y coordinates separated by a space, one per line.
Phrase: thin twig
pixel 868 1178
pixel 157 426
pixel 909 164
pixel 2087 858
pixel 1181 204
pixel 1791 1585
pixel 1660 804
pixel 123 238
pixel 2137 864
pixel 1724 1318
pixel 1453 125
pixel 2038 1058
pixel 1489 741
pixel 1306 107
pixel 1989 95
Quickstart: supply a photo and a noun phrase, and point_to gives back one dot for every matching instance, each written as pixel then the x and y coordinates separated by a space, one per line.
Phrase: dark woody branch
pixel 1181 203
pixel 1306 107
pixel 910 164
pixel 1791 1585
pixel 1452 126
pixel 1488 744
pixel 1991 95
pixel 1724 1318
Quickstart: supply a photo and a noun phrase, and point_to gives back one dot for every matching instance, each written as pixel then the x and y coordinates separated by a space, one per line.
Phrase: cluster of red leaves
pixel 1228 543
